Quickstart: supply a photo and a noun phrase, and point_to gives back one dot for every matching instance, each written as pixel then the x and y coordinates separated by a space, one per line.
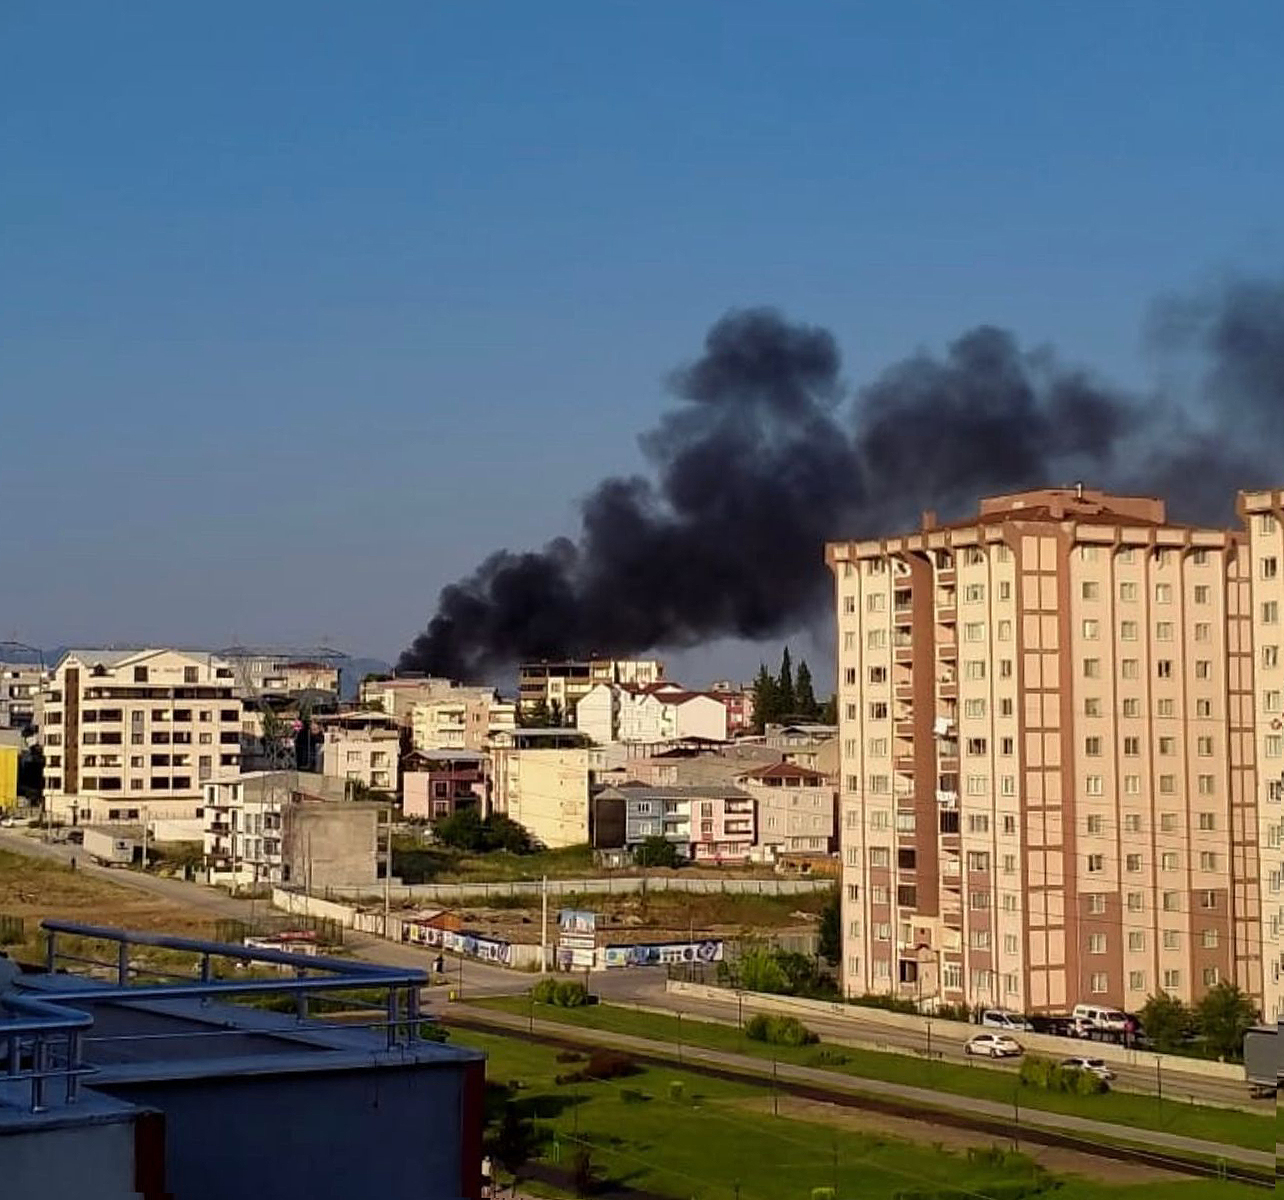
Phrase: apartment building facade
pixel 19 694
pixel 463 719
pixel 559 686
pixel 705 824
pixel 131 734
pixel 362 748
pixel 796 810
pixel 1048 783
pixel 649 715
pixel 1263 516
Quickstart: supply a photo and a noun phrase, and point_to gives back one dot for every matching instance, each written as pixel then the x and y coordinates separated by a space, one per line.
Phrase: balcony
pixel 947 798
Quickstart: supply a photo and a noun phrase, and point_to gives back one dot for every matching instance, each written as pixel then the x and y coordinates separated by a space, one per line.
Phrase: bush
pixel 545 991
pixel 829 1058
pixel 571 995
pixel 1049 1076
pixel 656 852
pixel 779 1031
pixel 609 1064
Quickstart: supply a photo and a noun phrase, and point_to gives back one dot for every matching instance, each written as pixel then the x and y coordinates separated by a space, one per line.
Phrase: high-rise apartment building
pixel 1050 734
pixel 1263 515
pixel 132 733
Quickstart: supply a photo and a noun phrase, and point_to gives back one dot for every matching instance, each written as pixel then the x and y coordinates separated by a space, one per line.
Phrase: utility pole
pixel 543 925
pixel 387 871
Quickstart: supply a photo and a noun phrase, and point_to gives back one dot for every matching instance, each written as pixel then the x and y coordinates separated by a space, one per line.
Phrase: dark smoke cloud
pixel 764 459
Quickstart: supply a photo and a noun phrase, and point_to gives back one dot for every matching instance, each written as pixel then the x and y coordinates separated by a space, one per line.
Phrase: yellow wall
pixel 8 776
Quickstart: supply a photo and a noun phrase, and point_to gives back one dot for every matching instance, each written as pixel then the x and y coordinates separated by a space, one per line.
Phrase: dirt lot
pixel 658 916
pixel 1052 1158
pixel 32 889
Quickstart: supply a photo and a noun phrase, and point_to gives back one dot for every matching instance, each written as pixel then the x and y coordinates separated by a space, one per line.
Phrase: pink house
pixel 437 783
pixel 722 825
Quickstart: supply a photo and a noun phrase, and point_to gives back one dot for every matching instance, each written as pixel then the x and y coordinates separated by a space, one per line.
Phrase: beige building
pixel 1263 515
pixel 463 719
pixel 797 810
pixel 542 779
pixel 397 698
pixel 19 694
pixel 133 734
pixel 1047 726
pixel 561 685
pixel 362 748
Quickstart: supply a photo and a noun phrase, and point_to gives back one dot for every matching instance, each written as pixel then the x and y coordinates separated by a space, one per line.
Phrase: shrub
pixel 779 1031
pixel 1086 1083
pixel 1049 1076
pixel 545 991
pixel 890 1003
pixel 570 995
pixel 829 1058
pixel 569 1056
pixel 609 1064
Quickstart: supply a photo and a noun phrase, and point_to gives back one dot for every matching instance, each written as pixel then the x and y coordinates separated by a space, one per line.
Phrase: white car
pixel 993 1045
pixel 998 1018
pixel 1094 1066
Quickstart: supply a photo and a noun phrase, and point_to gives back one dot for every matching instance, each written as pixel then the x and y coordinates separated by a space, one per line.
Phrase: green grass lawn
pixel 1121 1108
pixel 417 863
pixel 699 1139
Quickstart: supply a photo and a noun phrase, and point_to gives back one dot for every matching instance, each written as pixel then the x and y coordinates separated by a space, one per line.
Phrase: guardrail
pixel 44 1037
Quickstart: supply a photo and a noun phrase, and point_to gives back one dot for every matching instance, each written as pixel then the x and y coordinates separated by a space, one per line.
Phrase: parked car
pixel 1054 1026
pixel 1093 1016
pixel 993 1045
pixel 998 1018
pixel 1094 1066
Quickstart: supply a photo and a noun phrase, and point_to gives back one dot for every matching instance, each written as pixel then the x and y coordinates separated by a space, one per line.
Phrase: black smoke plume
pixel 765 458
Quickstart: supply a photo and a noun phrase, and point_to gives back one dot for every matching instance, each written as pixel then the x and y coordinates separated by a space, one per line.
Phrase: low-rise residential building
pixel 438 783
pixel 396 696
pixel 362 748
pixel 797 810
pixel 290 827
pixel 19 694
pixel 737 699
pixel 543 779
pixel 560 686
pixel 661 712
pixel 712 824
pixel 465 718
pixel 698 763
pixel 128 731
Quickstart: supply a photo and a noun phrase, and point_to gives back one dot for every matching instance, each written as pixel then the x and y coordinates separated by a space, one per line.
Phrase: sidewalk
pixel 835 1082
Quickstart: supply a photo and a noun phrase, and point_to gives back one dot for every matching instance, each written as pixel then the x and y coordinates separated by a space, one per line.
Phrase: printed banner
pixel 663 953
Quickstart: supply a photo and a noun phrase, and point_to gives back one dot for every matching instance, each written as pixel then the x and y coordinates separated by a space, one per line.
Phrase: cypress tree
pixel 786 699
pixel 804 696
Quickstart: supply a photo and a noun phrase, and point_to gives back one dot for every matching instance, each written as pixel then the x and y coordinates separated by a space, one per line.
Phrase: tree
pixel 656 852
pixel 462 830
pixel 766 699
pixel 804 696
pixel 31 773
pixel 538 716
pixel 831 930
pixel 1225 1015
pixel 501 832
pixel 1167 1021
pixel 760 971
pixel 785 687
pixel 513 1141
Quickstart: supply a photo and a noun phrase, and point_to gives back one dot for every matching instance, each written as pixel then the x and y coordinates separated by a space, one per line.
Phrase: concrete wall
pixel 1036 1043
pixel 331 845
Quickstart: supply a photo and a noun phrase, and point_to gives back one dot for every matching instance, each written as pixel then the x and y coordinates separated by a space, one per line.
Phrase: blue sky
pixel 306 307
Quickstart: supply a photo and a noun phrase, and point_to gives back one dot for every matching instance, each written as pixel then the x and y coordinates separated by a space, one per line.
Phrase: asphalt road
pixel 643 986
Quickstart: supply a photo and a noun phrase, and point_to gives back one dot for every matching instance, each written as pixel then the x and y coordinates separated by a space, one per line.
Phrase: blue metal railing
pixel 44 1037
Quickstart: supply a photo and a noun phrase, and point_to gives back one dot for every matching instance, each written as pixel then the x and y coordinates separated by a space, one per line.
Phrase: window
pixel 1092 668
pixel 1004 631
pixel 1270 656
pixel 1091 630
pixel 1007 785
pixel 1131 745
pixel 1168 860
pixel 976 746
pixel 1167 746
pixel 1201 593
pixel 1132 785
pixel 1168 822
pixel 878 710
pixel 978 860
pixel 978 823
pixel 974 631
pixel 1270 567
pixel 875 602
pixel 1203 668
pixel 1132 707
pixel 907 895
pixel 140 674
pixel 1100 983
pixel 1128 631
pixel 1207 900
pixel 1172 980
pixel 1271 701
pixel 980 939
pixel 978 900
pixel 1164 668
pixel 1129 668
pixel 1096 823
pixel 1127 556
pixel 1171 902
pixel 878 747
pixel 1096 863
pixel 1009 824
pixel 1096 943
pixel 1092 747
pixel 1127 591
pixel 1006 707
pixel 1007 746
pixel 974 708
pixel 1207 860
pixel 1164 708
pixel 1270 612
pixel 1090 590
pixel 1096 903
pixel 974 593
pixel 1207 820
pixel 1092 706
pixel 876 639
pixel 1163 593
pixel 1137 981
pixel 1093 785
pixel 978 785
pixel 1172 939
pixel 1204 747
pixel 878 674
pixel 1136 942
pixel 1136 901
pixel 974 668
pixel 1203 631
pixel 1132 863
pixel 880 856
pixel 1132 822
pixel 1211 976
pixel 879 785
pixel 1005 590
pixel 849 676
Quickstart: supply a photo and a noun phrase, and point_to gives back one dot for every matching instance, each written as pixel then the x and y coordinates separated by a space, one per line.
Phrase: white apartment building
pixel 1263 516
pixel 661 712
pixel 561 685
pixel 464 719
pixel 133 734
pixel 1047 736
pixel 289 827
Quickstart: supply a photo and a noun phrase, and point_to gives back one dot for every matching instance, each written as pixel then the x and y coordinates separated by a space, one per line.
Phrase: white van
pixel 998 1018
pixel 1092 1016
